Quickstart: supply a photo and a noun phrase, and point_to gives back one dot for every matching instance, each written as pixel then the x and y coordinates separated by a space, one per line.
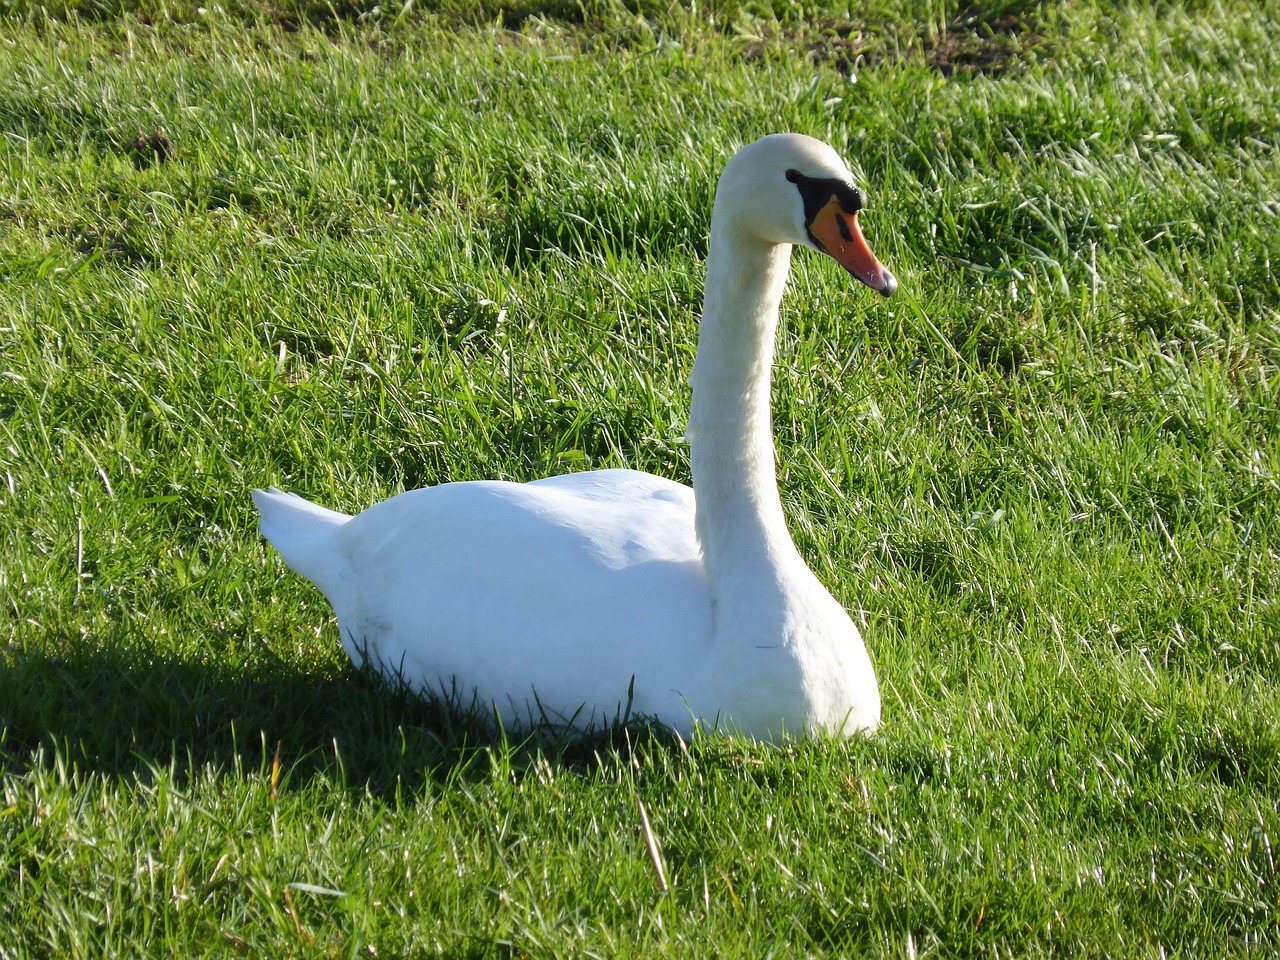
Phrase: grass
pixel 352 254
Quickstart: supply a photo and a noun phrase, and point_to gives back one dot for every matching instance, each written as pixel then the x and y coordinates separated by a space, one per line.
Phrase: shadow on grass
pixel 121 712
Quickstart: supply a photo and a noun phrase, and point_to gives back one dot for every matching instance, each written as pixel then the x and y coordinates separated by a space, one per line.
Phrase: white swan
pixel 564 597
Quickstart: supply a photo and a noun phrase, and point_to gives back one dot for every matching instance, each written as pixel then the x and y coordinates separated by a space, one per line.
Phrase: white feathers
pixel 564 596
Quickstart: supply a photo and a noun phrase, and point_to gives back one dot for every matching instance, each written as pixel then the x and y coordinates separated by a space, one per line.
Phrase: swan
pixel 578 598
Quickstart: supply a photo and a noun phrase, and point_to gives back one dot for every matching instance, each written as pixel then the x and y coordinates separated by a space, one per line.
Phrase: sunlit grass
pixel 349 256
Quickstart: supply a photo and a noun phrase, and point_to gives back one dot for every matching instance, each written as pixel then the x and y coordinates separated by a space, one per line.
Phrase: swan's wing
pixel 570 587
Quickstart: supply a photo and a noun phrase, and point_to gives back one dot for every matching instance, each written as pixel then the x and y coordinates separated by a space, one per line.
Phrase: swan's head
pixel 789 188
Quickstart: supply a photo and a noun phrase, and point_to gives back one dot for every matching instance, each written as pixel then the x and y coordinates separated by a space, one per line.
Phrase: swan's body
pixel 569 597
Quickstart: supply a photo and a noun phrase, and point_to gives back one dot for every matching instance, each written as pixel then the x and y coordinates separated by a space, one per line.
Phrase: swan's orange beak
pixel 839 236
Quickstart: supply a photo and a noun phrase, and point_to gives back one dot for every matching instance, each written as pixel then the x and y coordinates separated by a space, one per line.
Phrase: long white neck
pixel 740 524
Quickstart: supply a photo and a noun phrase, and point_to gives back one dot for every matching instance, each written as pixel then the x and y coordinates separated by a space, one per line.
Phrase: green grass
pixel 348 255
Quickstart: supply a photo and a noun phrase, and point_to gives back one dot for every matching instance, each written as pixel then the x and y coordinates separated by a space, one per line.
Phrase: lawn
pixel 350 251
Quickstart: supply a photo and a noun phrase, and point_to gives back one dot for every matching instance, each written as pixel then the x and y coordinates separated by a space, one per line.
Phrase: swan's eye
pixel 818 192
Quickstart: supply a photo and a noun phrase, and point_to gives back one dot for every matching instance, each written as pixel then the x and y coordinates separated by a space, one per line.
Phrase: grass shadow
pixel 120 712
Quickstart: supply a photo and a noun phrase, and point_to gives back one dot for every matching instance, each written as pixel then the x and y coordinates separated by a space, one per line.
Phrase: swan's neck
pixel 740 523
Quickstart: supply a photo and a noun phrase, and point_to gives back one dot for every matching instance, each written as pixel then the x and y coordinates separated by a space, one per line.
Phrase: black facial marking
pixel 816 192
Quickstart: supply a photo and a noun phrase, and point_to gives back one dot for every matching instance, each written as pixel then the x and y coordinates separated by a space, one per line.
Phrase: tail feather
pixel 303 533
